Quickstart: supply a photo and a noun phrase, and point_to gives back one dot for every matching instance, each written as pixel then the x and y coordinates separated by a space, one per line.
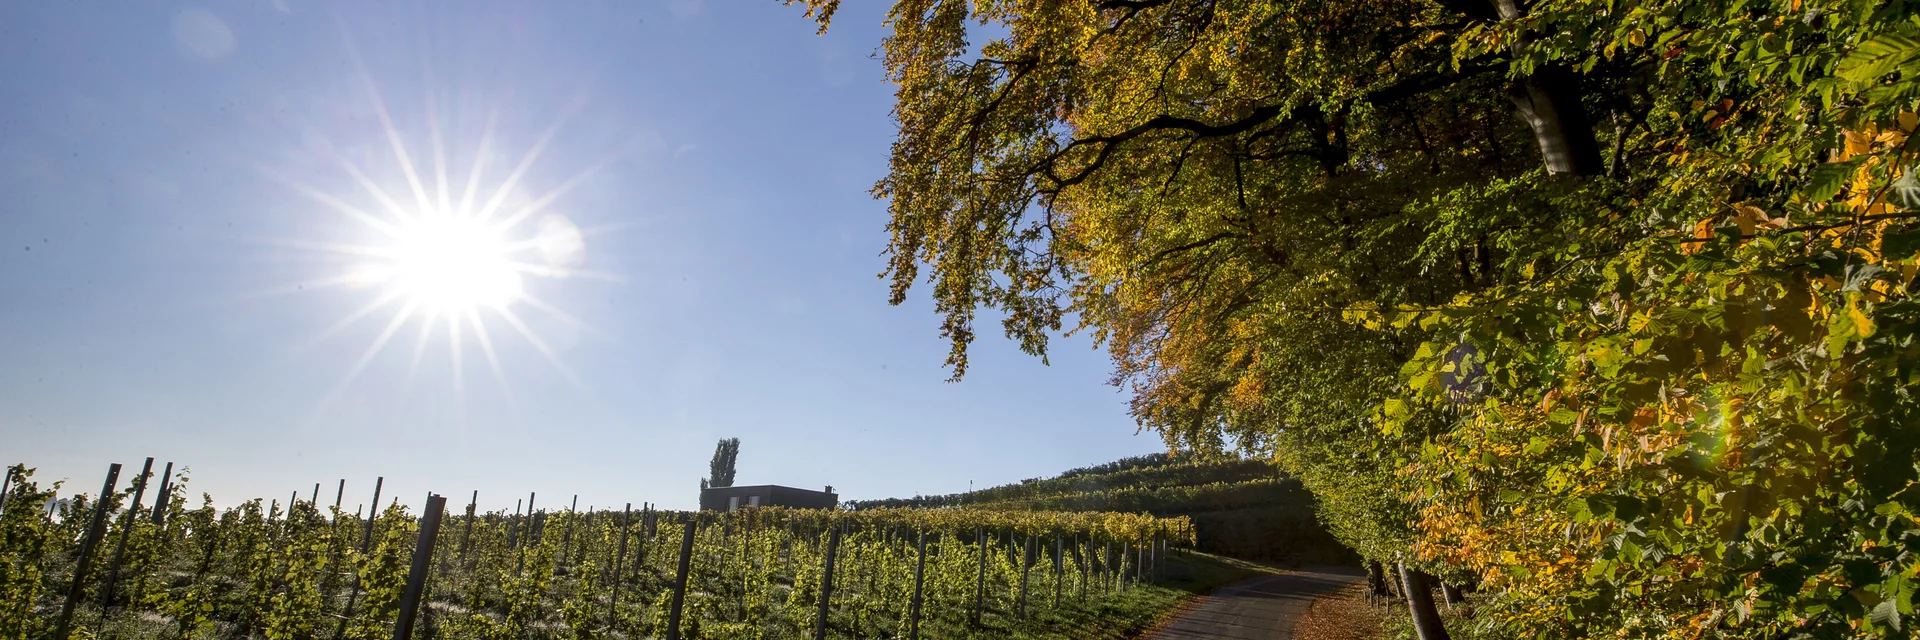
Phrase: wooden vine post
pixel 1107 574
pixel 980 583
pixel 95 529
pixel 586 545
pixel 513 526
pixel 1026 569
pixel 826 585
pixel 466 535
pixel 647 522
pixel 4 488
pixel 1160 560
pixel 126 529
pixel 919 579
pixel 372 513
pixel 566 539
pixel 366 542
pixel 618 564
pixel 520 557
pixel 646 533
pixel 1059 566
pixel 163 499
pixel 422 567
pixel 1085 554
pixel 680 580
pixel 1139 562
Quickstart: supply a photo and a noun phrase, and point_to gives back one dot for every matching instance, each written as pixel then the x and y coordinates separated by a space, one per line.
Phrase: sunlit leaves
pixel 1692 372
pixel 1884 54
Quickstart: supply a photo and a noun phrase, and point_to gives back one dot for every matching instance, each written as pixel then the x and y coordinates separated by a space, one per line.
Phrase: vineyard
pixel 115 567
pixel 1240 507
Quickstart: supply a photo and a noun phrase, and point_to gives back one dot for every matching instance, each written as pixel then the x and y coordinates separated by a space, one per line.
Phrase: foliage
pixel 27 546
pixel 1158 471
pixel 724 456
pixel 1604 303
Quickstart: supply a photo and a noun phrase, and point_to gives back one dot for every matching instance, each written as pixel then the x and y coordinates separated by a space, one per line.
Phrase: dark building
pixel 766 495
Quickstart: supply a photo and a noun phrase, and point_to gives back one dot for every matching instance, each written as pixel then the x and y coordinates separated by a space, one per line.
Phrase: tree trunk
pixel 1426 618
pixel 1549 100
pixel 1452 595
pixel 1377 580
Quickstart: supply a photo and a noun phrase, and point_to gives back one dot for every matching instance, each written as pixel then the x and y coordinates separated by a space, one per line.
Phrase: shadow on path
pixel 1263 608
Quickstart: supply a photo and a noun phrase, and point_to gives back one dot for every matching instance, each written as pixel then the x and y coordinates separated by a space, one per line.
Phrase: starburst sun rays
pixel 453 266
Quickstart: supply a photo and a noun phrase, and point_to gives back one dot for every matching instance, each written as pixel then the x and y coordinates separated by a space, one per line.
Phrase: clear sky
pixel 695 249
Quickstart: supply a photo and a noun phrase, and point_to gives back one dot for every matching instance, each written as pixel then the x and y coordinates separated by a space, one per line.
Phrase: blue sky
pixel 168 277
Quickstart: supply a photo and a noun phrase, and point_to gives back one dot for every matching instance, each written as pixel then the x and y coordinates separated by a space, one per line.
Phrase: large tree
pixel 720 470
pixel 1603 302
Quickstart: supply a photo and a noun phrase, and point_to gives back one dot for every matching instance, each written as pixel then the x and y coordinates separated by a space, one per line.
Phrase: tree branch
pixel 1197 244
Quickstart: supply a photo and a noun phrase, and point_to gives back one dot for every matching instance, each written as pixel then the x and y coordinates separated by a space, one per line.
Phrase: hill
pixel 1240 508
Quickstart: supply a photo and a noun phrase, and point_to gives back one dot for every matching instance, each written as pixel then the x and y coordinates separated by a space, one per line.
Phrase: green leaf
pixel 1878 57
pixel 1600 506
pixel 1627 508
pixel 1828 179
pixel 1887 613
pixel 1905 191
pixel 1580 510
pixel 1900 242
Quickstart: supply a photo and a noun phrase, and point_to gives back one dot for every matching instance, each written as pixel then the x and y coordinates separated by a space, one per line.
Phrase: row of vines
pixel 166 569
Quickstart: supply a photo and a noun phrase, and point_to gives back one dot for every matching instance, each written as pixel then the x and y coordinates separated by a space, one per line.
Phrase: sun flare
pixel 461 264
pixel 449 264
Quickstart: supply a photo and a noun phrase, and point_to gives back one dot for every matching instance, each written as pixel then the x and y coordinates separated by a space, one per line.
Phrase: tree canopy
pixel 1604 304
pixel 720 470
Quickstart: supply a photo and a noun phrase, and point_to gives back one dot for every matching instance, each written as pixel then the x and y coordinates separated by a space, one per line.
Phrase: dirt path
pixel 1259 609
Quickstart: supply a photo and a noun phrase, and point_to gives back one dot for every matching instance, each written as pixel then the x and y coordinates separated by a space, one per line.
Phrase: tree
pixel 1673 240
pixel 720 471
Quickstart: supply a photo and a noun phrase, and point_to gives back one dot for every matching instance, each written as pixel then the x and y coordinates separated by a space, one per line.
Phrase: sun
pixel 462 264
pixel 448 264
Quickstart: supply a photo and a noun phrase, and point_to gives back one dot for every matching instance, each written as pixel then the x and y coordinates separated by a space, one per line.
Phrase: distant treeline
pixel 1155 471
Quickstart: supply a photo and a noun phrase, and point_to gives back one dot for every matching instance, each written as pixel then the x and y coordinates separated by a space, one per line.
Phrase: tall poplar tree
pixel 720 470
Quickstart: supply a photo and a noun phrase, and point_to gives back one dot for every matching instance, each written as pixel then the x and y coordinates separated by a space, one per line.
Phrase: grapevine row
pixel 310 570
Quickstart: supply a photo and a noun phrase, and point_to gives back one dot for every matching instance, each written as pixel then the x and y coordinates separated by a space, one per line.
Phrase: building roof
pixel 769 486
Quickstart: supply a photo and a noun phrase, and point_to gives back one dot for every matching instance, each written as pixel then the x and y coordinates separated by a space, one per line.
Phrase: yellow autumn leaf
pixel 1881 289
pixel 1862 325
pixel 1702 232
pixel 1908 121
pixel 1749 217
pixel 1814 305
pixel 1859 142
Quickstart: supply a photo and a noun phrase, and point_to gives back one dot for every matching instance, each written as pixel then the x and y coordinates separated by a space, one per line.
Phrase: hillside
pixel 1240 508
